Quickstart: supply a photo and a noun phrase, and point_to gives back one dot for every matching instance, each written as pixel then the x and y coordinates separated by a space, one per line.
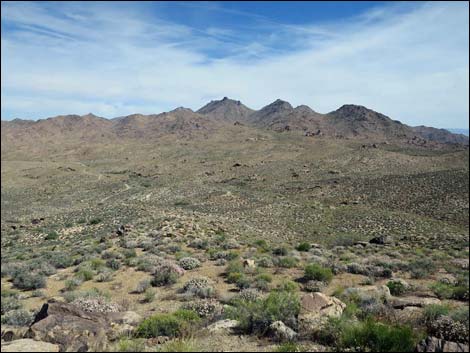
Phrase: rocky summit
pixel 234 229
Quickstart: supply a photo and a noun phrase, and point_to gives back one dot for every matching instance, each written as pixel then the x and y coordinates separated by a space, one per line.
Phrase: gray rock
pixel 29 345
pixel 434 344
pixel 280 332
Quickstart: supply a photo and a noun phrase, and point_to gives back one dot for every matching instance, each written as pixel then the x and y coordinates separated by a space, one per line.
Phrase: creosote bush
pixel 318 273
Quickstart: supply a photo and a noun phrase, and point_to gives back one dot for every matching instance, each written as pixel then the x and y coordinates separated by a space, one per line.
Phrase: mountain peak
pixel 226 109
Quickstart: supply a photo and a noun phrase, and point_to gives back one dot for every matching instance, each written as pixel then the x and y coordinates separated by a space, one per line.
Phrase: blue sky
pixel 407 60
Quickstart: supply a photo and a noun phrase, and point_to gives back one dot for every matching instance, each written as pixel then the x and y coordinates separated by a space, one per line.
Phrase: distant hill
pixel 459 131
pixel 349 121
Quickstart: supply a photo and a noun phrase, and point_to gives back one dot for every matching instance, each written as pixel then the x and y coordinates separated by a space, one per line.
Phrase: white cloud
pixel 411 65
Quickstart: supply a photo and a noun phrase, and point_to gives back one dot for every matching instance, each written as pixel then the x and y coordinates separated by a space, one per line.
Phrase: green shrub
pixel 318 273
pixel 18 317
pixel 131 345
pixel 53 235
pixel 180 345
pixel 262 245
pixel 94 221
pixel 164 278
pixel 434 311
pixel 85 274
pixel 372 336
pixel 113 264
pixel 171 325
pixel 281 251
pixel 28 280
pixel 149 295
pixel 421 268
pixel 256 316
pixel 159 325
pixel 303 246
pixel 396 287
pixel 9 303
pixel 287 262
pixel 287 285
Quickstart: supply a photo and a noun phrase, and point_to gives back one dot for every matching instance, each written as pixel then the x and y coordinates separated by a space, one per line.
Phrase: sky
pixel 408 60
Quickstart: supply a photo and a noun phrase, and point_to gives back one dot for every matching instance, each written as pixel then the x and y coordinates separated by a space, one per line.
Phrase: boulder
pixel 74 329
pixel 380 292
pixel 434 344
pixel 280 332
pixel 10 333
pixel 29 345
pixel 223 326
pixel 315 310
pixel 420 302
pixel 248 263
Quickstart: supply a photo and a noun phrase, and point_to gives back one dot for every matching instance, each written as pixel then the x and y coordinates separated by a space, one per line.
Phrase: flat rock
pixel 222 326
pixel 29 345
pixel 420 302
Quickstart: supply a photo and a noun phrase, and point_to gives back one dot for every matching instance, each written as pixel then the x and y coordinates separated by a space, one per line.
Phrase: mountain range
pixel 348 122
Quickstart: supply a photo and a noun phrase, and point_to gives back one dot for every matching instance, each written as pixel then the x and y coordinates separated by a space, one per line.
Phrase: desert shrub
pixel 434 311
pixel 372 336
pixel 287 262
pixel 189 263
pixel 142 286
pixel 287 285
pixel 96 264
pixel 249 294
pixel 262 281
pixel 448 329
pixel 230 244
pixel 449 291
pixel 234 267
pixel 60 259
pixel 52 235
pixel 9 303
pixel 94 221
pixel 303 246
pixel 131 345
pixel 262 245
pixel 85 274
pixel 396 287
pixel 149 295
pixel 243 282
pixel 199 244
pixel 461 315
pixel 313 286
pixel 104 276
pixel 19 317
pixel 421 268
pixel 256 316
pixel 204 308
pixel 318 273
pixel 163 278
pixel 180 345
pixel 72 284
pixel 159 325
pixel 281 251
pixel 200 287
pixel 28 280
pixel 113 264
pixel 265 261
pixel 171 325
